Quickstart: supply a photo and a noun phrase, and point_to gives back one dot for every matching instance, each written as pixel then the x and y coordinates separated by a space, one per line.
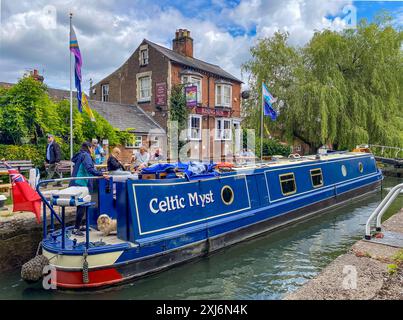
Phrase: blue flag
pixel 268 99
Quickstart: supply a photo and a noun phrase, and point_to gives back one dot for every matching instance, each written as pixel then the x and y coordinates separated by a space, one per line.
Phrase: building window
pixel 316 178
pixel 223 129
pixel 105 92
pixel 288 185
pixel 144 88
pixel 134 142
pixel 195 126
pixel 144 57
pixel 194 81
pixel 223 94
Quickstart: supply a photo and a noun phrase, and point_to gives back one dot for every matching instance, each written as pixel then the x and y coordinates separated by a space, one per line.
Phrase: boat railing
pixel 381 209
pixel 53 214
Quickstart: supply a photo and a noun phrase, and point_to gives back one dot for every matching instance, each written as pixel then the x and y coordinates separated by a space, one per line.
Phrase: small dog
pixel 106 225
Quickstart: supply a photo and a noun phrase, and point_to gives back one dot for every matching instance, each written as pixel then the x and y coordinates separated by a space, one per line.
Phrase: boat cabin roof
pixel 297 161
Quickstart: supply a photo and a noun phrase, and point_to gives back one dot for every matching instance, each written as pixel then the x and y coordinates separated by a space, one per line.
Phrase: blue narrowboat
pixel 169 217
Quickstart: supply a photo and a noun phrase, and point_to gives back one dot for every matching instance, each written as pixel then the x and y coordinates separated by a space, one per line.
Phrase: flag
pixel 24 197
pixel 87 108
pixel 267 100
pixel 78 63
pixel 267 95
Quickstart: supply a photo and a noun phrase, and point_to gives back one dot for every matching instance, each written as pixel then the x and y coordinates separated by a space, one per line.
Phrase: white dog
pixel 106 225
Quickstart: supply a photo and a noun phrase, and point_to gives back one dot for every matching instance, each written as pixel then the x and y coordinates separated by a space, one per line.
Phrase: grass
pixel 398 257
pixel 392 268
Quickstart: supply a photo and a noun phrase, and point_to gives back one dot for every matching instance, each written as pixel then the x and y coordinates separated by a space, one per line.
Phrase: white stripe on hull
pixel 76 262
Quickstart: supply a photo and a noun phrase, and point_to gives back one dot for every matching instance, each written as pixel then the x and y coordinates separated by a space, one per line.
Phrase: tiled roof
pixel 123 116
pixel 192 62
pixel 56 94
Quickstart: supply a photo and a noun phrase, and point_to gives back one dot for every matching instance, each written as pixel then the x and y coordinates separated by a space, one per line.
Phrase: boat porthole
pixel 344 170
pixel 227 195
pixel 361 167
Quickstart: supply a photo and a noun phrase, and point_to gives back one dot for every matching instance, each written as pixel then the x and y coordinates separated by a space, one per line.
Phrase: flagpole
pixel 71 100
pixel 261 130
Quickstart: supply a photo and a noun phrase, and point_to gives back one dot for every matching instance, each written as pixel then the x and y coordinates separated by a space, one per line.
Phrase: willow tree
pixel 342 88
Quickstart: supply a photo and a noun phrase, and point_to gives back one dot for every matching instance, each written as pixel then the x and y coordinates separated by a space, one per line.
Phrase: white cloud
pixel 109 31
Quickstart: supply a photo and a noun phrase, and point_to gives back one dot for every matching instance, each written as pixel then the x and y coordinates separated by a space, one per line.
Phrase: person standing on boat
pixel 83 167
pixel 114 163
pixel 141 158
pixel 53 157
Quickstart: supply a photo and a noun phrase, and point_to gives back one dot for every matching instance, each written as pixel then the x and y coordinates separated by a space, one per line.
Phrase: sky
pixel 35 33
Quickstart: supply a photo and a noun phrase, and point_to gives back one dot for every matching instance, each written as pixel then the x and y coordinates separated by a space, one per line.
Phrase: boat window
pixel 316 177
pixel 288 185
pixel 344 170
pixel 361 167
pixel 227 195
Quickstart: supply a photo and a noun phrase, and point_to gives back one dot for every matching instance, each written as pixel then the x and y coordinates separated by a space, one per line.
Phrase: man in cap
pixel 53 156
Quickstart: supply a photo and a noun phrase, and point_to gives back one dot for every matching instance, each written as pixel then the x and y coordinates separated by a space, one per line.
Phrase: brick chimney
pixel 35 74
pixel 183 43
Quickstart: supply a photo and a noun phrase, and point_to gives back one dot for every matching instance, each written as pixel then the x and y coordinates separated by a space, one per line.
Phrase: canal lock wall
pixel 369 271
pixel 20 235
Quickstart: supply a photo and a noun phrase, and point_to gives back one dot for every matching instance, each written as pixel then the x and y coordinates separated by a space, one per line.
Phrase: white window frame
pixel 144 60
pixel 137 142
pixel 198 138
pixel 220 134
pixel 189 80
pixel 139 77
pixel 144 57
pixel 103 93
pixel 219 98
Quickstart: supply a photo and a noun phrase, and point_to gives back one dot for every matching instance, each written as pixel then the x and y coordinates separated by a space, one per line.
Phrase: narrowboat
pixel 167 216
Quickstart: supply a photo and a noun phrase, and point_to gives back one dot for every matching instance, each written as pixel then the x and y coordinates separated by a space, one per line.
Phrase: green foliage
pixel 392 268
pixel 398 256
pixel 27 114
pixel 342 88
pixel 24 152
pixel 177 107
pixel 272 147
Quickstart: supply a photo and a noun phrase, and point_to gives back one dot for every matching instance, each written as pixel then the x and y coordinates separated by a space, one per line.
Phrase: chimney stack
pixel 183 43
pixel 36 76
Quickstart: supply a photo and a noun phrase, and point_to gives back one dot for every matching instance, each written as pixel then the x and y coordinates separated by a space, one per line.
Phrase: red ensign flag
pixel 24 197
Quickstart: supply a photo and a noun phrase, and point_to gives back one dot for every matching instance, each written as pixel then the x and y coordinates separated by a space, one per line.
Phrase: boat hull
pixel 122 271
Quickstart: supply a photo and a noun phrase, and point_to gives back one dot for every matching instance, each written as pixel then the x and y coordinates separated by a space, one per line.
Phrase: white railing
pixel 398 150
pixel 380 210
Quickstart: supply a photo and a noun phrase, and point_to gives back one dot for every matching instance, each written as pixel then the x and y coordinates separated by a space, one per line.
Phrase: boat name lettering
pixel 172 203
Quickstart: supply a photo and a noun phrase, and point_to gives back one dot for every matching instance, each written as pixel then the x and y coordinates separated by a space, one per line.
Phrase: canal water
pixel 267 267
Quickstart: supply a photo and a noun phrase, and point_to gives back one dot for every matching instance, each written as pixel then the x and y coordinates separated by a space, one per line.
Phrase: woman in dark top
pixel 83 167
pixel 113 162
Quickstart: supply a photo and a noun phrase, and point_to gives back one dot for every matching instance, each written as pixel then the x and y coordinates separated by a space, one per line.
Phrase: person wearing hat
pixel 53 157
pixel 83 167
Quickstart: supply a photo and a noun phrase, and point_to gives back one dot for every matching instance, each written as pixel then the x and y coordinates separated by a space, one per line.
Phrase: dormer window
pixel 143 55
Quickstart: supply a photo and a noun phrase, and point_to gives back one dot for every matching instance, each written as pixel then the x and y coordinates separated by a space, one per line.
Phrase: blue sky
pixel 34 33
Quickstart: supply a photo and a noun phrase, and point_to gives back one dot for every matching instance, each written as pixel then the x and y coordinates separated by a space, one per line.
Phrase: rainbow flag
pixel 78 63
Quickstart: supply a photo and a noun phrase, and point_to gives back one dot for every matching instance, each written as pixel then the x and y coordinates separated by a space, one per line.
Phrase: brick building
pixel 147 77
